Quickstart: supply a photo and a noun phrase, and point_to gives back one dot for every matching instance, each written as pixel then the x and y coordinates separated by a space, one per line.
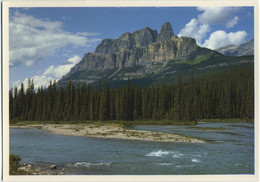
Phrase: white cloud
pixel 33 39
pixel 232 22
pixel 39 81
pixel 199 28
pixel 60 70
pixel 51 73
pixel 218 15
pixel 195 30
pixel 16 83
pixel 220 38
pixel 87 33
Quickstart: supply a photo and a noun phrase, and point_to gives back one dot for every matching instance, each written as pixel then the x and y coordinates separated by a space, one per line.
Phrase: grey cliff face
pixel 140 38
pixel 142 47
pixel 166 32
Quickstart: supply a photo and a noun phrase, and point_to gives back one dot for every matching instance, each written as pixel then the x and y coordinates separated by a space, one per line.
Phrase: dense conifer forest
pixel 223 95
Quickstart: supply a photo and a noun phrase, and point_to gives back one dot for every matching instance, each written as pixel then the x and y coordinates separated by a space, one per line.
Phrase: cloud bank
pixel 200 27
pixel 218 15
pixel 221 38
pixel 51 73
pixel 195 30
pixel 32 39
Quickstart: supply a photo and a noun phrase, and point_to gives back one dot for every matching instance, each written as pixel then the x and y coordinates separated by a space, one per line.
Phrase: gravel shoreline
pixel 113 131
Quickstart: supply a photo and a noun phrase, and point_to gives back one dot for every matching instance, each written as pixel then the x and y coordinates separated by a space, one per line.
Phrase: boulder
pixel 53 166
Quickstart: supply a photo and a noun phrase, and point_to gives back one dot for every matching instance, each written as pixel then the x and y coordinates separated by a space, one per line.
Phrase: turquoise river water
pixel 229 151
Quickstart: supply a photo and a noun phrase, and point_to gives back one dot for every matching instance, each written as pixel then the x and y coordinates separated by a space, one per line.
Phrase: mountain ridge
pixel 244 49
pixel 145 56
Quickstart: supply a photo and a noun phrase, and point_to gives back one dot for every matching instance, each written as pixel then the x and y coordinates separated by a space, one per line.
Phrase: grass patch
pixel 156 135
pixel 195 60
pixel 210 128
pixel 22 123
pixel 191 137
pixel 131 133
pixel 228 120
pixel 162 122
pixel 117 123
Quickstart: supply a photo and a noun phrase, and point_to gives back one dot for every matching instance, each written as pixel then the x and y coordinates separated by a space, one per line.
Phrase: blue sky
pixel 46 42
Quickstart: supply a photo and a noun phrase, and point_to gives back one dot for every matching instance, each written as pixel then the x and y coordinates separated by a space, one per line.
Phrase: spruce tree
pixel 178 101
pixel 104 111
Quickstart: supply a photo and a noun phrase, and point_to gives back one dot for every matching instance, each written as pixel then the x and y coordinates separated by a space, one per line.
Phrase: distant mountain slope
pixel 241 50
pixel 147 58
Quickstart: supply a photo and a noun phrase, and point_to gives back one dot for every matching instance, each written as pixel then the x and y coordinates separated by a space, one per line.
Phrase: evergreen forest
pixel 222 95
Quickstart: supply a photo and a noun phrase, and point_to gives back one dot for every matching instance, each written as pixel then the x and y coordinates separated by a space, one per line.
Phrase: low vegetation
pixel 14 165
pixel 228 120
pixel 210 128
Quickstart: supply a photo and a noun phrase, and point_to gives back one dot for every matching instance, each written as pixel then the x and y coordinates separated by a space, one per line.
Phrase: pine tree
pixel 84 98
pixel 40 103
pixel 112 114
pixel 137 104
pixel 162 103
pixel 68 103
pixel 178 101
pixel 21 102
pixel 104 111
pixel 11 105
pixel 123 104
pixel 15 115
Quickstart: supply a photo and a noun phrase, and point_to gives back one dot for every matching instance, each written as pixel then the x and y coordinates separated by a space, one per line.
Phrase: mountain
pixel 246 48
pixel 142 47
pixel 147 57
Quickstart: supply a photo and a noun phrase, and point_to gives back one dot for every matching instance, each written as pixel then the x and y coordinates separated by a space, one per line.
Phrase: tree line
pixel 222 95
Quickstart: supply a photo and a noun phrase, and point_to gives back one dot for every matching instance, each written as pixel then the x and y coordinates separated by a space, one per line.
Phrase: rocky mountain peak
pixel 166 32
pixel 142 47
pixel 244 49
pixel 144 37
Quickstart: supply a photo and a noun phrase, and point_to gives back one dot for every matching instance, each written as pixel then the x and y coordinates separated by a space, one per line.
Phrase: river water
pixel 228 151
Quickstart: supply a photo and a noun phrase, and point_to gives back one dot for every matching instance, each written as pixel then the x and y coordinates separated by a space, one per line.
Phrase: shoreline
pixel 111 131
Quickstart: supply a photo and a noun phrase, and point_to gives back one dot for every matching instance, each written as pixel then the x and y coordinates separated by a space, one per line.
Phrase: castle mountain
pixel 144 56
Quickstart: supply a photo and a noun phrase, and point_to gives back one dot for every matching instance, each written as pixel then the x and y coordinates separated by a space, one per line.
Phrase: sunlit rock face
pixel 142 47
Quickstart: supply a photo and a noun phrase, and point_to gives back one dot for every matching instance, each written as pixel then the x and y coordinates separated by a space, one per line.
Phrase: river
pixel 229 150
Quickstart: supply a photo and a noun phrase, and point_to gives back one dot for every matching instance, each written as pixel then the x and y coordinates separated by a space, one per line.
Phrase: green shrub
pixel 14 163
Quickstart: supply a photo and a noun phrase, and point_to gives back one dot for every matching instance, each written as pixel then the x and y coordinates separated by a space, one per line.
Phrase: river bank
pixel 113 131
pixel 29 169
pixel 16 168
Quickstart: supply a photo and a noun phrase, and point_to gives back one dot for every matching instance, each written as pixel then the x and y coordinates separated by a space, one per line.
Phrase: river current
pixel 228 150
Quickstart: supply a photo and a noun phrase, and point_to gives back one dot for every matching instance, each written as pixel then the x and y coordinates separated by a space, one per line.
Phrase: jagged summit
pixel 166 31
pixel 139 38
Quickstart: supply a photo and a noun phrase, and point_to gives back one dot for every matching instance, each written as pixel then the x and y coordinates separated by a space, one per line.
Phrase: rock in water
pixel 53 166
